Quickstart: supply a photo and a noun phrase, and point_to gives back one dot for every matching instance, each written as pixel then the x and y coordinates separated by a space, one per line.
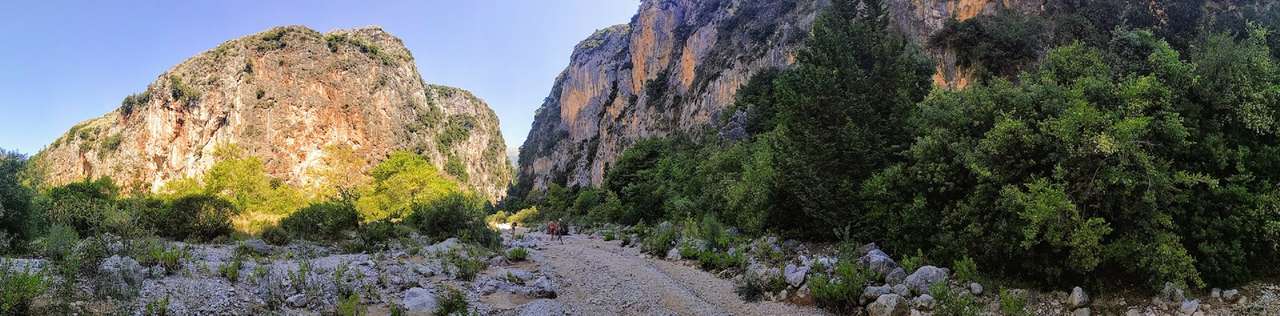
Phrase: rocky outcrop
pixel 285 95
pixel 678 65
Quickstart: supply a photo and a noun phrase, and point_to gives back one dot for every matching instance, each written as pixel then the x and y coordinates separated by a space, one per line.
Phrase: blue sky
pixel 62 62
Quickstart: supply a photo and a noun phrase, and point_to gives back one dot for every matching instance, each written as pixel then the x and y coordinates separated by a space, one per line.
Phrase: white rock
pixel 420 300
pixel 1078 298
pixel 975 288
pixel 888 305
pixel 925 276
pixel 795 274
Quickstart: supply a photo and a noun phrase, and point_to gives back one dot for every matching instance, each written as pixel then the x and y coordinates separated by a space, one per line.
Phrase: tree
pixel 842 110
pixel 399 181
pixel 15 202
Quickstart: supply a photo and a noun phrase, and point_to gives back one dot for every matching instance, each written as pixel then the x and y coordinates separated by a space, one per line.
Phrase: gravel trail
pixel 600 278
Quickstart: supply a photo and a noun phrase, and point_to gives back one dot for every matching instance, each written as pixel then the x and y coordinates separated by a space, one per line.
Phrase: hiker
pixel 553 228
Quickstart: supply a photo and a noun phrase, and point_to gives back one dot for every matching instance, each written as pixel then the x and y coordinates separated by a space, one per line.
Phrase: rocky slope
pixel 284 95
pixel 678 64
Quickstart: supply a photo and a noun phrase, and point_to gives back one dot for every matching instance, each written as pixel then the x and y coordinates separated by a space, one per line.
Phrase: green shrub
pixel 374 235
pixel 81 205
pixel 157 254
pixel 158 307
pixel 608 235
pixel 840 293
pixel 231 270
pixel 18 288
pixel 712 260
pixel 465 267
pixel 966 270
pixel 276 235
pixel 660 239
pixel 350 306
pixel 323 221
pixel 952 303
pixel 181 91
pixel 517 254
pixel 198 217
pixel 298 278
pixel 58 242
pixel 911 263
pixel 16 209
pixel 455 215
pixel 452 302
pixel 1013 303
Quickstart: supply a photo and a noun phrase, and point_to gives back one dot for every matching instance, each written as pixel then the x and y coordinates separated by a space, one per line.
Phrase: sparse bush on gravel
pixel 517 254
pixel 452 302
pixel 18 288
pixel 840 292
pixel 660 239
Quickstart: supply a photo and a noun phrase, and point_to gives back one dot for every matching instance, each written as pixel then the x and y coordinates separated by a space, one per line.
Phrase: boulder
pixel 925 276
pixel 444 246
pixel 879 262
pixel 419 300
pixel 543 287
pixel 119 277
pixel 257 247
pixel 1230 295
pixel 1189 307
pixel 901 289
pixel 673 254
pixel 795 274
pixel 867 248
pixel 1078 298
pixel 975 288
pixel 897 276
pixel 888 305
pixel 872 293
pixel 1083 311
pixel 923 302
pixel 297 301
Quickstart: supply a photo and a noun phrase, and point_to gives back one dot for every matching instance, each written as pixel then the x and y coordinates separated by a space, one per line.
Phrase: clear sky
pixel 62 62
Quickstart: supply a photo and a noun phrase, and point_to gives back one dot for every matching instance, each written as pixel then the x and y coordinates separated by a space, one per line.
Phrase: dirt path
pixel 600 278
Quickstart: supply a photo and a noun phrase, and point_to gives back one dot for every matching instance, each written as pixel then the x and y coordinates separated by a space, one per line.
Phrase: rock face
pixel 285 95
pixel 677 66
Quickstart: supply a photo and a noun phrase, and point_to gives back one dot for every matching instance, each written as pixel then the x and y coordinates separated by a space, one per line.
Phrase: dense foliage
pixel 1102 148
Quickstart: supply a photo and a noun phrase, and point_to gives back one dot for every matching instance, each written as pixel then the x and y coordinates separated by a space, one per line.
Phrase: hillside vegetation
pixel 1131 149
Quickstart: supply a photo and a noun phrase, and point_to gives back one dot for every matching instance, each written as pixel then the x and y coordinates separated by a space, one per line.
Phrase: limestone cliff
pixel 284 95
pixel 677 65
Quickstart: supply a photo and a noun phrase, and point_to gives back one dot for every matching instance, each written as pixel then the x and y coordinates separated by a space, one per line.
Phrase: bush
pixel 276 235
pixel 81 205
pixel 517 254
pixel 58 243
pixel 195 217
pixel 966 270
pixel 350 306
pixel 952 303
pixel 841 292
pixel 911 263
pixel 465 267
pixel 660 239
pixel 231 270
pixel 323 221
pixel 452 302
pixel 455 215
pixel 18 288
pixel 1013 303
pixel 375 234
pixel 15 203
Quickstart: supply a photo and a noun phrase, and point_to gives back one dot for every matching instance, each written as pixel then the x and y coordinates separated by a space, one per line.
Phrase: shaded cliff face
pixel 284 95
pixel 677 65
